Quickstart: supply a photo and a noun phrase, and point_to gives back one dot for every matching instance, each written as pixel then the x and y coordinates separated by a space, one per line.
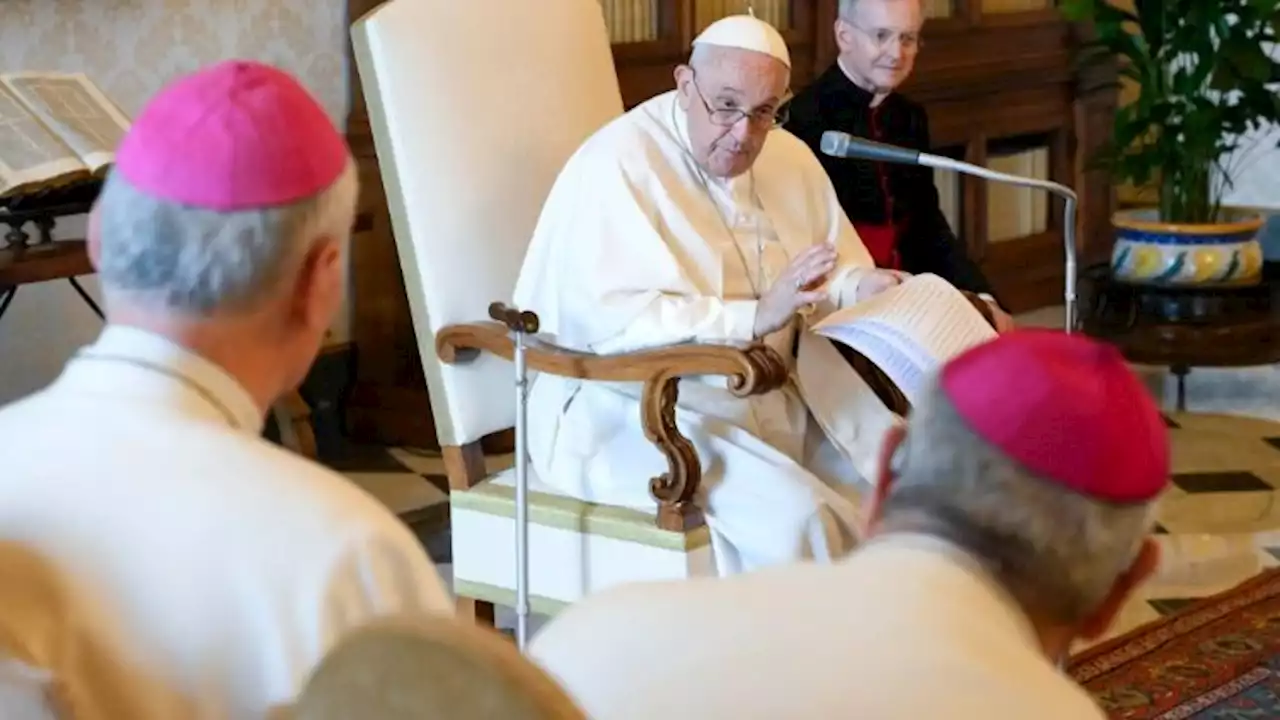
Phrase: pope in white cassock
pixel 694 218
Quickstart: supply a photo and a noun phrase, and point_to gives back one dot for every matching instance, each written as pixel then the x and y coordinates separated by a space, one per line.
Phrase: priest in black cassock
pixel 894 207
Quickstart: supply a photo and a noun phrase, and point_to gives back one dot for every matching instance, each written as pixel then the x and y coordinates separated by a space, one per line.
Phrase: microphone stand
pixel 843 145
pixel 1070 200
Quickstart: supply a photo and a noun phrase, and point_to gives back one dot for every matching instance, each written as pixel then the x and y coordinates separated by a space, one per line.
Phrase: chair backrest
pixel 404 668
pixel 475 108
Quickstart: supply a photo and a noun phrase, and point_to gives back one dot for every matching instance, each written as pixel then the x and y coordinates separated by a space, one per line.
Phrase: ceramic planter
pixel 1152 252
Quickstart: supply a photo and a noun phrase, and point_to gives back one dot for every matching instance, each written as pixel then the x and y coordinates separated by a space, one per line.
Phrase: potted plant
pixel 1205 85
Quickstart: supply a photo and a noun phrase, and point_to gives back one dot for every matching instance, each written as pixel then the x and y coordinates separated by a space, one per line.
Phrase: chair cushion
pixel 549 507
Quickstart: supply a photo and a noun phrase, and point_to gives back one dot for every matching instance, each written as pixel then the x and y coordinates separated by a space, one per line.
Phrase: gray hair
pixel 202 262
pixel 846 7
pixel 1057 552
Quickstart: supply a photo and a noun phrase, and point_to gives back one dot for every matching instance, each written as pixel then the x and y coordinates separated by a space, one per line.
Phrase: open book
pixel 910 330
pixel 55 129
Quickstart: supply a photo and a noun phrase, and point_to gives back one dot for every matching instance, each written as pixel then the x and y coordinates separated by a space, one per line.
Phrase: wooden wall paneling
pixel 388 403
pixel 974 194
pixel 970 10
pixel 1096 98
pixel 983 60
pixel 824 41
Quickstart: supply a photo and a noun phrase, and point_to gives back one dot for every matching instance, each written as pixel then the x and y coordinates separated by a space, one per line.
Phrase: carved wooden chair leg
pixel 464 465
pixel 293 418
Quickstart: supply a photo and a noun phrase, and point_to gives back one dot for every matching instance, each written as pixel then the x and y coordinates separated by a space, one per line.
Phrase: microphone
pixel 843 145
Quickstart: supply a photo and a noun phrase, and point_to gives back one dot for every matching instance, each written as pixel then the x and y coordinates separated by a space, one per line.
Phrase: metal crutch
pixel 520 325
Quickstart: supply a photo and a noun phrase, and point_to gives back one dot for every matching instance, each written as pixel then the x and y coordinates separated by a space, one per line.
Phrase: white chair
pixel 475 108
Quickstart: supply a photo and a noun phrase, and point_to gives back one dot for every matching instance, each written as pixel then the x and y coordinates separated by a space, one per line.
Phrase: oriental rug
pixel 1218 659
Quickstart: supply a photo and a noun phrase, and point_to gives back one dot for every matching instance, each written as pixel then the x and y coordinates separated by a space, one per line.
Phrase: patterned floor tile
pixel 350 457
pixel 1219 512
pixel 1220 482
pixel 425 462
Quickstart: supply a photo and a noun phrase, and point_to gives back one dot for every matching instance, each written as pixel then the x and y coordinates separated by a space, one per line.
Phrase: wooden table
pixel 1182 328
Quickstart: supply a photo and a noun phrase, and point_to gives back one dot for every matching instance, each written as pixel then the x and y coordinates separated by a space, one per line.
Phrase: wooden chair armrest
pixel 751 369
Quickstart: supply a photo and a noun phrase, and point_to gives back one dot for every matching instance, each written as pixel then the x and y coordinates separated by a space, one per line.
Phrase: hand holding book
pixel 908 331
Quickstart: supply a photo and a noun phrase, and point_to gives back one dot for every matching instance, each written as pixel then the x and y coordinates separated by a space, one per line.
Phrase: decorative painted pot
pixel 1152 252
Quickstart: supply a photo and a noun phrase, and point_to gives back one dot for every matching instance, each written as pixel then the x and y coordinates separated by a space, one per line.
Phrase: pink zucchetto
pixel 1067 408
pixel 237 135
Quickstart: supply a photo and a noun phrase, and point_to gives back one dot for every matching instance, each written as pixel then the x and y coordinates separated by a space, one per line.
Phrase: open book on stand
pixel 56 129
pixel 909 331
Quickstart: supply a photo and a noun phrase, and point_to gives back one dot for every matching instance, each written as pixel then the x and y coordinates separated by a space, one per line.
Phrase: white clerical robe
pixel 905 628
pixel 636 248
pixel 213 566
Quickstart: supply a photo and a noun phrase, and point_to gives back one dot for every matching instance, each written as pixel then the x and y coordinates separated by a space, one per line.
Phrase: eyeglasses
pixel 883 38
pixel 730 116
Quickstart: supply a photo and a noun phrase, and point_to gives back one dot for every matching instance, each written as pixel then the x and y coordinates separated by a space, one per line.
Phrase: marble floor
pixel 1218 525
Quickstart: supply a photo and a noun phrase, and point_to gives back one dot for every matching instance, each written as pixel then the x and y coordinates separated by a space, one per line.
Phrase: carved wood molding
pixel 675 489
pixel 751 370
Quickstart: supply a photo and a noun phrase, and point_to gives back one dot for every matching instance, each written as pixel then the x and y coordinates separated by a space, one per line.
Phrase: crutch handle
pixel 517 321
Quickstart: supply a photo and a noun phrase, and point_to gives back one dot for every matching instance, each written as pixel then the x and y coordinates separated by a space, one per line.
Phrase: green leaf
pixel 1151 18
pixel 1247 57
pixel 1077 10
pixel 1203 82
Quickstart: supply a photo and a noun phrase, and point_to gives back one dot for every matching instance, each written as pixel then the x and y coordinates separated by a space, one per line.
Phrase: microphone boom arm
pixel 1069 198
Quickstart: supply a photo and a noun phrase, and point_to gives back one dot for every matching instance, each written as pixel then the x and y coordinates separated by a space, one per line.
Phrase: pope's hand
pixel 877 281
pixel 1003 321
pixel 797 287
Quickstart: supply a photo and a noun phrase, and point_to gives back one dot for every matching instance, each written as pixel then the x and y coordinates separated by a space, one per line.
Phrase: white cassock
pixel 906 628
pixel 638 248
pixel 212 566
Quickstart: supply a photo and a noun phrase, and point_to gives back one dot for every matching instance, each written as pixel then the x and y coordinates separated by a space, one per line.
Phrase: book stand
pixel 25 259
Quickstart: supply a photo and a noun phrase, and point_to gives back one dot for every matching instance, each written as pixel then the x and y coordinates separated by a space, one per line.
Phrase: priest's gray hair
pixel 846 7
pixel 1057 552
pixel 202 262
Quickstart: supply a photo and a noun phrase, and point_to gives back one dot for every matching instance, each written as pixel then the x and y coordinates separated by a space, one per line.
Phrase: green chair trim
pixel 505 597
pixel 575 515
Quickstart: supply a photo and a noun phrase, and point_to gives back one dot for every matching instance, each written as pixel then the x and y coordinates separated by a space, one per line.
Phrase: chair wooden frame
pixel 752 369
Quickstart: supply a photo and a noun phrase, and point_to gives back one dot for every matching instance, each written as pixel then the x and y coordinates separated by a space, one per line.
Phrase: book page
pixel 29 153
pixel 76 110
pixel 908 331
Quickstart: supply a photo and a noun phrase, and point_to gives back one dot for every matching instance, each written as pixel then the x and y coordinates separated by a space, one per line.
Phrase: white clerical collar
pixel 206 387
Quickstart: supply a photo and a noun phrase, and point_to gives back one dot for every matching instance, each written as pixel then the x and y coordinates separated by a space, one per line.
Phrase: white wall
pixel 131 48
